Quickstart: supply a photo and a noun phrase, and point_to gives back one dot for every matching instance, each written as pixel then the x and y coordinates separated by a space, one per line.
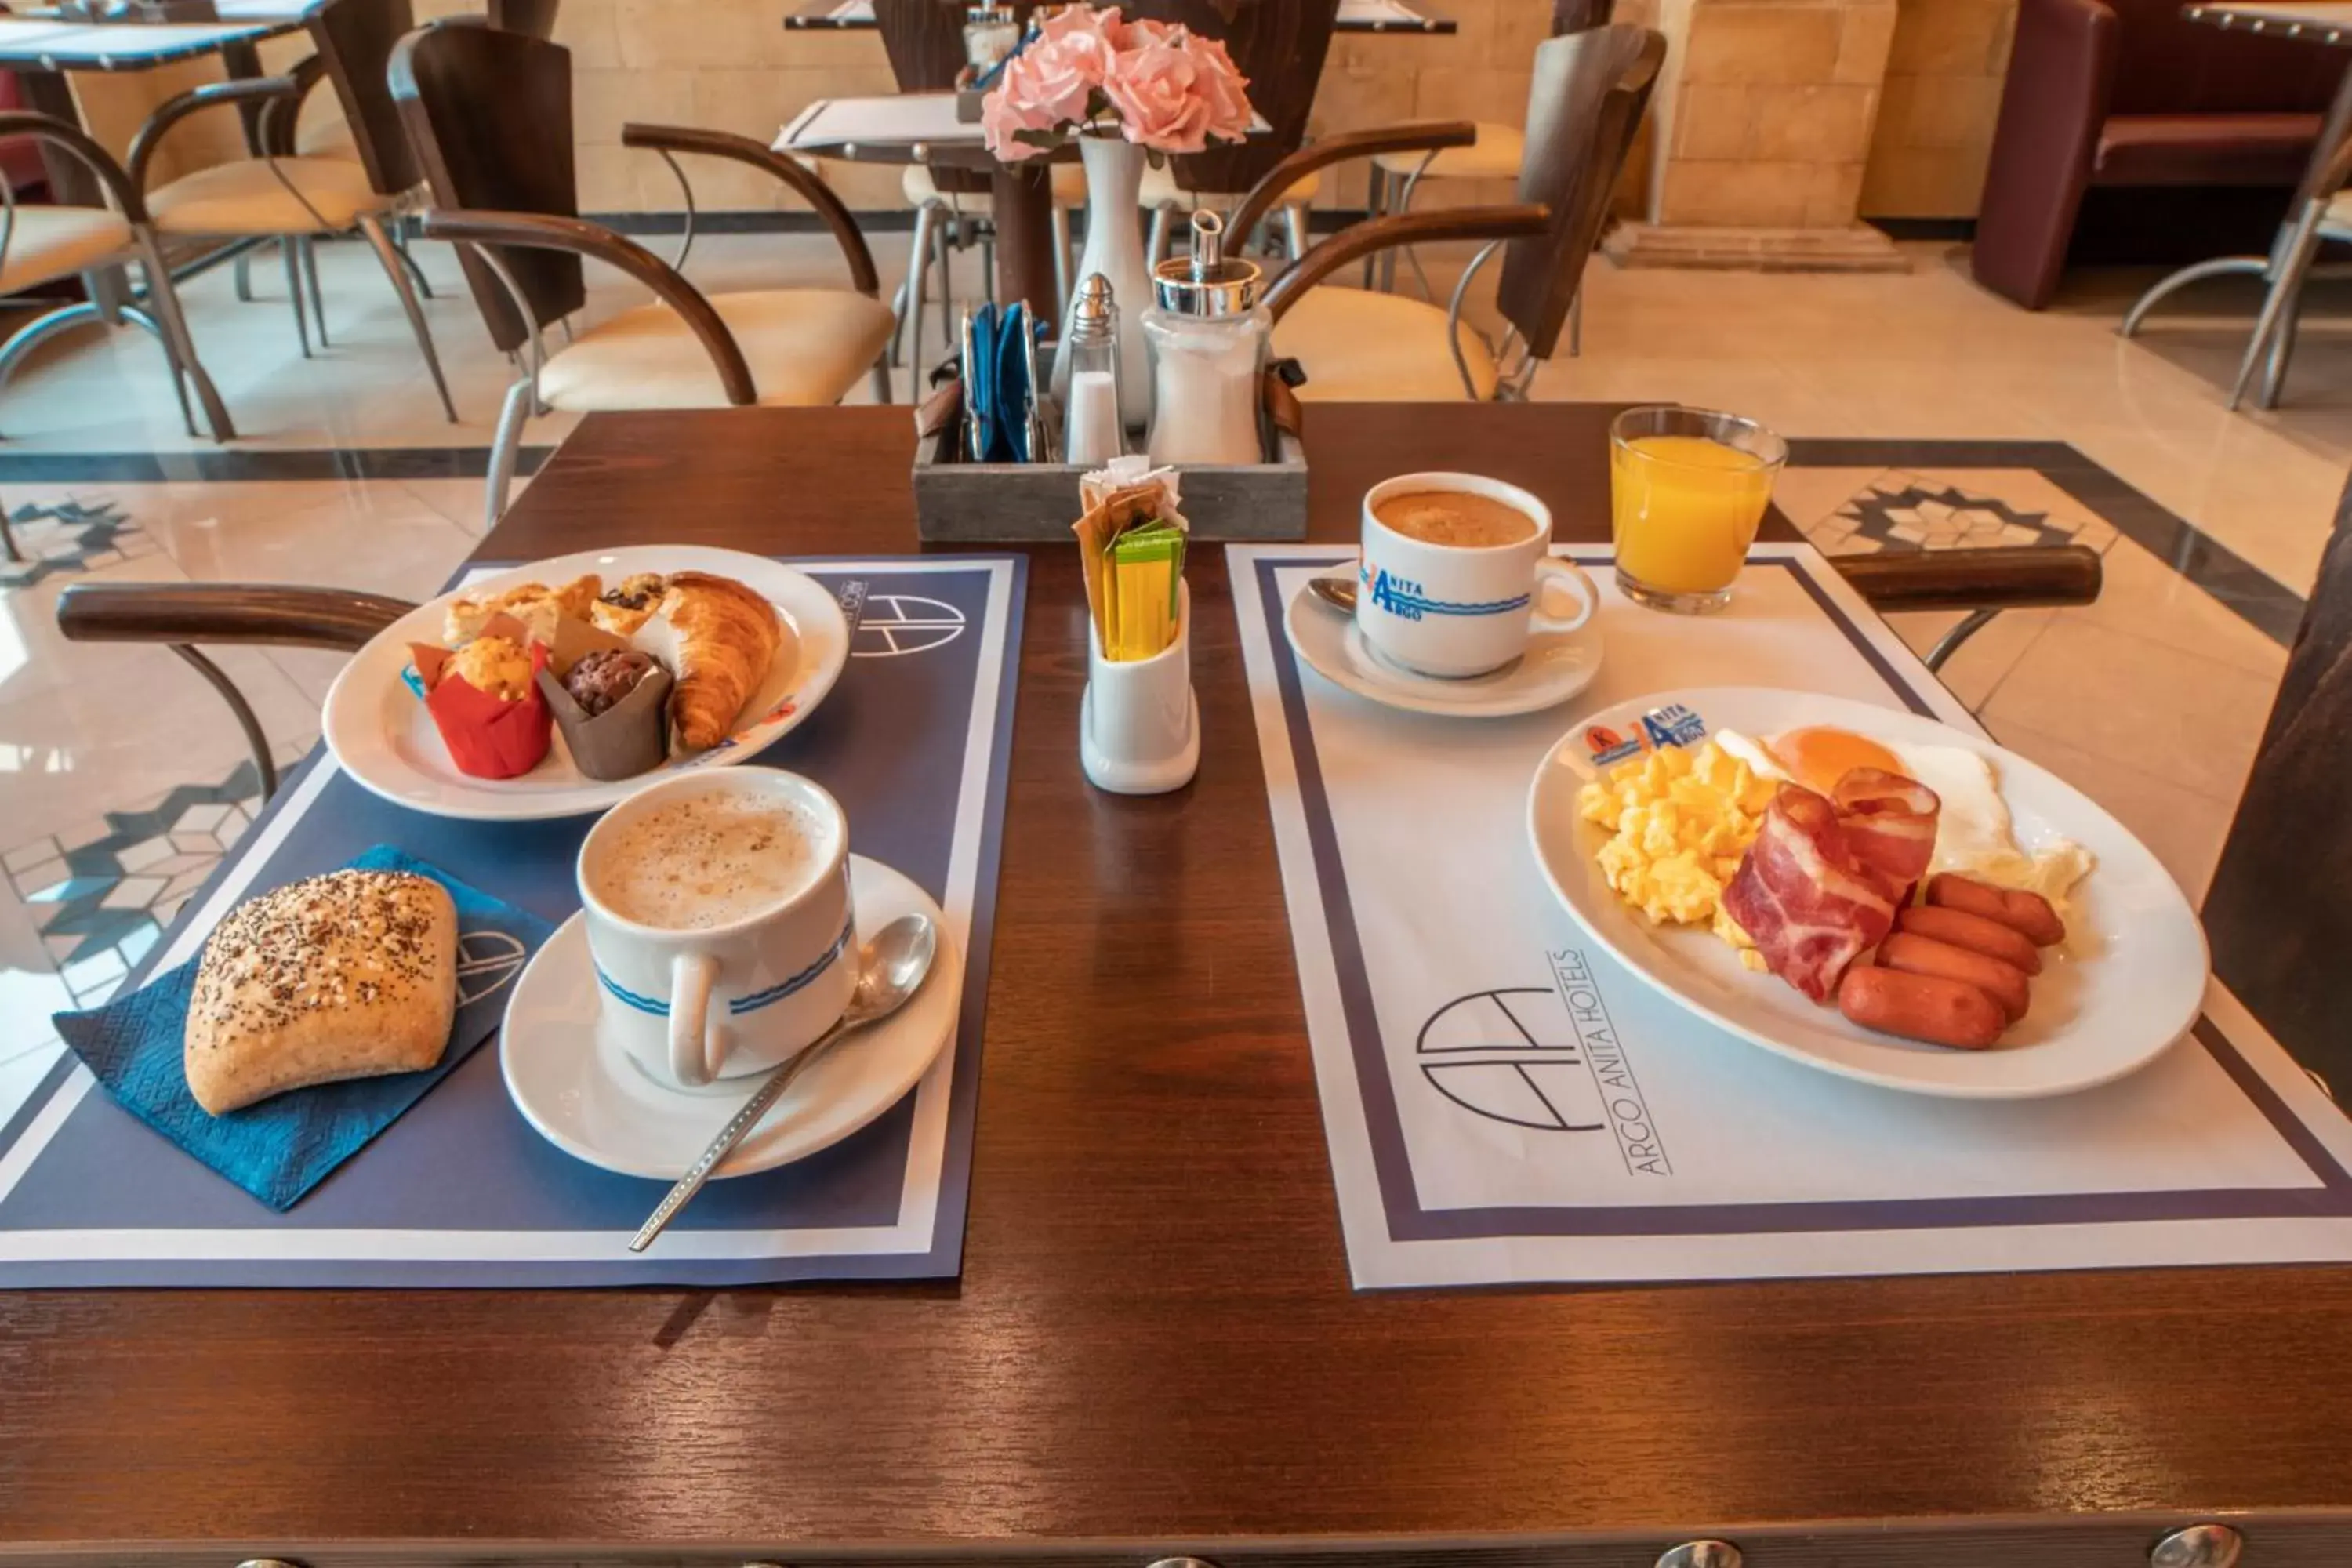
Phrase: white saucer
pixel 1556 667
pixel 591 1101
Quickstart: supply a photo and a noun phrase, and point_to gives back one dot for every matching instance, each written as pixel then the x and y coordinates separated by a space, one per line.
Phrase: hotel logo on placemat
pixel 1612 1072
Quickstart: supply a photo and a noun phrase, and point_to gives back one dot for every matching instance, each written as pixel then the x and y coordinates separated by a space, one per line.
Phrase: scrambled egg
pixel 1680 820
pixel 495 665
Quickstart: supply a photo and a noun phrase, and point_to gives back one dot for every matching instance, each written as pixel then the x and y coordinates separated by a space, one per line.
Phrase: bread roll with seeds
pixel 351 974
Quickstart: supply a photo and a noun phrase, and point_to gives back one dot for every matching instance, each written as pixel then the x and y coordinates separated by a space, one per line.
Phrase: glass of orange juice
pixel 1687 489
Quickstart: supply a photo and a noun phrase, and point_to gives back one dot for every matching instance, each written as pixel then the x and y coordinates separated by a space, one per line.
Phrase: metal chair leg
pixel 1061 221
pixel 945 253
pixel 2172 283
pixel 1375 198
pixel 1294 228
pixel 292 251
pixel 988 265
pixel 882 377
pixel 133 316
pixel 255 737
pixel 243 273
pixel 1155 249
pixel 916 287
pixel 408 258
pixel 2275 325
pixel 309 249
pixel 1949 643
pixel 399 276
pixel 180 345
pixel 899 320
pixel 504 448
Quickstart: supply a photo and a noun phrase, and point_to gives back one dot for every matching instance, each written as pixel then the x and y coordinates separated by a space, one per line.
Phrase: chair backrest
pixel 1590 90
pixel 1575 16
pixel 355 40
pixel 2275 914
pixel 488 116
pixel 2167 64
pixel 1278 44
pixel 924 39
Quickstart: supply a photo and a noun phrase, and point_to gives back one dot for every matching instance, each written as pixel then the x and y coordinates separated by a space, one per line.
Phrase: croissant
pixel 727 639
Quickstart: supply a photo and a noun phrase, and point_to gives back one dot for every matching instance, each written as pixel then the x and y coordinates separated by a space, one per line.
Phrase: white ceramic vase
pixel 1114 248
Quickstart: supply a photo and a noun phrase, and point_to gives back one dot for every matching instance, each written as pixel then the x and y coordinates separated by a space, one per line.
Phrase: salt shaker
pixel 1090 432
pixel 1208 335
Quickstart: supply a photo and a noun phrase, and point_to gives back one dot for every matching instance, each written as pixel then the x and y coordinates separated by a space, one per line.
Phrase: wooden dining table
pixel 1153 1349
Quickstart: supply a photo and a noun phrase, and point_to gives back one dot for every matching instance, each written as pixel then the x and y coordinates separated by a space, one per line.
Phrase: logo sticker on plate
pixel 1673 725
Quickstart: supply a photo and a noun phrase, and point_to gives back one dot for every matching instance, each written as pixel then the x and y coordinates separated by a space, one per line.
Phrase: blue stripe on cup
pixel 630 998
pixel 777 993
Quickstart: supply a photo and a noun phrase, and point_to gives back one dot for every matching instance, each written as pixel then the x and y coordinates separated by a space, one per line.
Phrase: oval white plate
pixel 590 1099
pixel 382 736
pixel 1556 667
pixel 2126 985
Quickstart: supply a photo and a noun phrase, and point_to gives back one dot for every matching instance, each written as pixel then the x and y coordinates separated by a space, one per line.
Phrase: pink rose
pixel 1223 87
pixel 1084 21
pixel 1155 91
pixel 1045 87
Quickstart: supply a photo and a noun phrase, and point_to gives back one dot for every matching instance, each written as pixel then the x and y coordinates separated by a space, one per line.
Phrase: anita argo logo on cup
pixel 1458 573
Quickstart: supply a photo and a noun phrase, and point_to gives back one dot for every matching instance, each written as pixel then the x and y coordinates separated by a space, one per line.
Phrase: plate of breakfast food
pixel 560 687
pixel 1868 891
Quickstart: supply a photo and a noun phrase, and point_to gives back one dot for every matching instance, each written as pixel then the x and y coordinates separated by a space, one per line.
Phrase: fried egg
pixel 1974 833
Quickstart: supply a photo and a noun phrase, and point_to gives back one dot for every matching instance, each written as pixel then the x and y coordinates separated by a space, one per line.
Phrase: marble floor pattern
pixel 1925 416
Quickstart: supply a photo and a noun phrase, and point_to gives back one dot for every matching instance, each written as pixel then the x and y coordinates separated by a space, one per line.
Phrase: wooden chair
pixel 924 39
pixel 183 615
pixel 1497 154
pixel 489 115
pixel 296 200
pixel 39 244
pixel 1280 46
pixel 1356 344
pixel 2277 914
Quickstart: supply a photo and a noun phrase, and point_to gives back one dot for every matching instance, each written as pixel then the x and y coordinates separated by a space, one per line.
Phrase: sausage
pixel 1916 954
pixel 1921 1006
pixel 1974 933
pixel 2021 911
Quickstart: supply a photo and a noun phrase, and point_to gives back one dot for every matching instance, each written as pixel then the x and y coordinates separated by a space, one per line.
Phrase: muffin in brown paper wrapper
pixel 629 738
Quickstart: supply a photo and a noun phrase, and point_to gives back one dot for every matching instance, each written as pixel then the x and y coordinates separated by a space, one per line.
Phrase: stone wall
pixel 729 64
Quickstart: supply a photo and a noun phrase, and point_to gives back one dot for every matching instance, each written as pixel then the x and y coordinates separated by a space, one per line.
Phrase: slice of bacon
pixel 1890 826
pixel 1811 908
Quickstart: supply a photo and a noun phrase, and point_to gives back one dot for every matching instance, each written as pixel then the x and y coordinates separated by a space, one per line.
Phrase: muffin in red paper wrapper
pixel 484 699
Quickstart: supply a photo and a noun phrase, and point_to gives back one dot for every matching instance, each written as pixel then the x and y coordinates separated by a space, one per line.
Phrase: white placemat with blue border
pixel 1504 1104
pixel 460 1192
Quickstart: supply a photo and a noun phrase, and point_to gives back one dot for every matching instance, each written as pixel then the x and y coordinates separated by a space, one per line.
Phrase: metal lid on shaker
pixel 1207 283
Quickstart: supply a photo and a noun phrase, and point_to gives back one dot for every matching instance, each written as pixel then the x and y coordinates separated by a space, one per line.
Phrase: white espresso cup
pixel 1456 610
pixel 693 1002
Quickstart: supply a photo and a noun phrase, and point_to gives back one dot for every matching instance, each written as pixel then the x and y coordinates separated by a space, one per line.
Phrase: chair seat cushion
pixel 248 197
pixel 1362 346
pixel 805 346
pixel 1160 188
pixel 2251 149
pixel 917 185
pixel 55 242
pixel 1495 155
pixel 327 138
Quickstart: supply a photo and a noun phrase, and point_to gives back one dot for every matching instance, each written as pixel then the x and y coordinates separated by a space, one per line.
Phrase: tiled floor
pixel 1927 415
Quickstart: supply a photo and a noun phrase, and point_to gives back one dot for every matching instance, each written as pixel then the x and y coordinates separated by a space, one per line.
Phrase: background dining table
pixel 1153 1347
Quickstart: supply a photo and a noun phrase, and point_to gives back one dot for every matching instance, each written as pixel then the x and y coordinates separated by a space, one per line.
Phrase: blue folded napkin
pixel 282 1148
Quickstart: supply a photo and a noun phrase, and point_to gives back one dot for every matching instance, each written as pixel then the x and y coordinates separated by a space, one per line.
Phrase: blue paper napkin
pixel 282 1148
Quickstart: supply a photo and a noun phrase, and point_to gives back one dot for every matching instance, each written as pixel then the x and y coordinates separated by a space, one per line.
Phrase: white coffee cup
pixel 1458 610
pixel 692 1004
